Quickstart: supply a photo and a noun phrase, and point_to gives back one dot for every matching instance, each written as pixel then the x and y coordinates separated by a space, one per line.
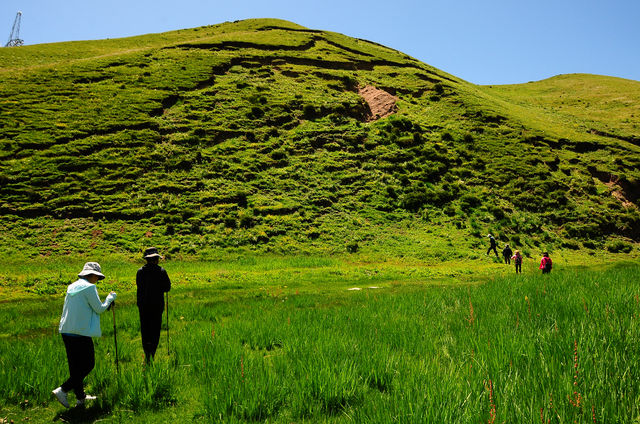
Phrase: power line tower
pixel 14 38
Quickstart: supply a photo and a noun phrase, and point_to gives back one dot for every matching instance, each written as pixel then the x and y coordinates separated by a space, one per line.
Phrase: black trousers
pixel 494 249
pixel 81 360
pixel 150 325
pixel 518 268
pixel 507 259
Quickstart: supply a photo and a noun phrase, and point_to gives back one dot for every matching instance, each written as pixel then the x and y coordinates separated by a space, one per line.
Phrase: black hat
pixel 151 252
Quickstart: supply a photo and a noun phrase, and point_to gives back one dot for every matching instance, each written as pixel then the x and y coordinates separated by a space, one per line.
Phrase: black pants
pixel 150 324
pixel 507 259
pixel 494 249
pixel 518 268
pixel 81 360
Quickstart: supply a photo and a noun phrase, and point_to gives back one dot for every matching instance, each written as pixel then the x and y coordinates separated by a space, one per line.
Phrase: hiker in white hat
pixel 79 323
pixel 152 282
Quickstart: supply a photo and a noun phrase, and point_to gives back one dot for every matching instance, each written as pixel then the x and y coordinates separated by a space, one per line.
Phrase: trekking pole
pixel 115 334
pixel 167 302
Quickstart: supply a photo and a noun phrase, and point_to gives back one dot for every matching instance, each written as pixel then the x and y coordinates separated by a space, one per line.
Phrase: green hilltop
pixel 262 135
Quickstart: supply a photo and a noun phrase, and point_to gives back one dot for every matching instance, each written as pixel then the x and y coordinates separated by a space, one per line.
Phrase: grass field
pixel 328 265
pixel 285 340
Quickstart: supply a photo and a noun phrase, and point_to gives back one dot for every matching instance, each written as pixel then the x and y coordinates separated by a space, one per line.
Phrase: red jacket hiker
pixel 546 264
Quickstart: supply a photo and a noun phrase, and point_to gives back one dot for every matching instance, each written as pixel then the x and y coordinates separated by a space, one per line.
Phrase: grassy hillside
pixel 252 135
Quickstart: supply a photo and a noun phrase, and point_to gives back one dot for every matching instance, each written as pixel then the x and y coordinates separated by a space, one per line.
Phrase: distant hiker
pixel 80 322
pixel 545 263
pixel 492 240
pixel 152 282
pixel 506 253
pixel 517 259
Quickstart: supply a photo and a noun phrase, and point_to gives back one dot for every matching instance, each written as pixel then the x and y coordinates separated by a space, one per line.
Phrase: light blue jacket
pixel 82 306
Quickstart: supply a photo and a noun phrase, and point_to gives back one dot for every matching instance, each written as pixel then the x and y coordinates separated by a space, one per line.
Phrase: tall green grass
pixel 526 348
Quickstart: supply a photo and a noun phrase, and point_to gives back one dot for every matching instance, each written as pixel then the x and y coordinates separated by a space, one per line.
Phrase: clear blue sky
pixel 484 42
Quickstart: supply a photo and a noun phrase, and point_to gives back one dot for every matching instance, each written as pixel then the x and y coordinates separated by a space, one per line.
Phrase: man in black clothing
pixel 153 282
pixel 492 240
pixel 506 253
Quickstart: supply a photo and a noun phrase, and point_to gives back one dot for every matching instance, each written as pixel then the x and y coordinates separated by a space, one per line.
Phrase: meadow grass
pixel 526 348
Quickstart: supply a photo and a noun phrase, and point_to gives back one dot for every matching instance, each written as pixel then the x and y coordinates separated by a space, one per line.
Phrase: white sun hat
pixel 92 268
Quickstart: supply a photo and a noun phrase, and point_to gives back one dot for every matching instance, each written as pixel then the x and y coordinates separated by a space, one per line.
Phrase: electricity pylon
pixel 14 38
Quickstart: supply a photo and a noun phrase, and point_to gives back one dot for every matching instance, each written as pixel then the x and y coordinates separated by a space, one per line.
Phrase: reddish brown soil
pixel 380 102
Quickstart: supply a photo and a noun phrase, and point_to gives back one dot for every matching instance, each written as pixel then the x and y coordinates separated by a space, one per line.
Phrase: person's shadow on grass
pixel 80 414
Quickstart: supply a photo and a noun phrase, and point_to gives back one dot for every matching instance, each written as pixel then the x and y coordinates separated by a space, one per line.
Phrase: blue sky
pixel 484 42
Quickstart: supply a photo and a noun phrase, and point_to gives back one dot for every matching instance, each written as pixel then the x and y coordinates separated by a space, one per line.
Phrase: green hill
pixel 267 136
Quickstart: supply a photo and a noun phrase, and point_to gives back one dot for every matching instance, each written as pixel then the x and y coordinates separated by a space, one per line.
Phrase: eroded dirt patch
pixel 381 104
pixel 627 192
pixel 619 193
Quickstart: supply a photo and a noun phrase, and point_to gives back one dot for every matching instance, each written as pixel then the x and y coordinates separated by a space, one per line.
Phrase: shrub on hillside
pixel 229 221
pixel 582 230
pixel 469 201
pixel 313 233
pixel 350 83
pixel 278 154
pixel 401 123
pixel 497 212
pixel 446 136
pixel 256 113
pixel 414 199
pixel 618 246
pixel 245 219
pixel 309 112
pixel 241 199
pixel 570 244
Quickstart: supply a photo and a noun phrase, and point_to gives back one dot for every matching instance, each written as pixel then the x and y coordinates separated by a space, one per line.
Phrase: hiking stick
pixel 115 334
pixel 167 296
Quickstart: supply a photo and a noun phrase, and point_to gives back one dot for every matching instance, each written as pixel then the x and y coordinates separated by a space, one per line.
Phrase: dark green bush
pixel 257 112
pixel 570 244
pixel 469 201
pixel 414 199
pixel 309 111
pixel 582 230
pixel 245 220
pixel 241 199
pixel 497 212
pixel 229 221
pixel 278 154
pixel 449 210
pixel 352 247
pixel 618 246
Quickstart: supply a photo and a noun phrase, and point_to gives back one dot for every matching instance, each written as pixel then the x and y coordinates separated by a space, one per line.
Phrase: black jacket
pixel 152 281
